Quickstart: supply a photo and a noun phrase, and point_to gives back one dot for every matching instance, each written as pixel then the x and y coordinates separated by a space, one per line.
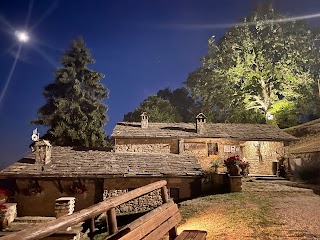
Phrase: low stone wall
pixel 215 183
pixel 140 204
pixel 154 148
pixel 302 164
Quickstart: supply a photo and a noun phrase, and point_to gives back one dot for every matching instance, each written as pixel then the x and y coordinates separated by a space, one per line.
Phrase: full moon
pixel 22 36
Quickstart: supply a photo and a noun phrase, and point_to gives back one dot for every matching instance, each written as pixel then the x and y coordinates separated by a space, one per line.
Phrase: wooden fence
pixel 108 207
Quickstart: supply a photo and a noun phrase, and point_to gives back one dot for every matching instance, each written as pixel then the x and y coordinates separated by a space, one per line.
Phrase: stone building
pixel 260 144
pixel 39 179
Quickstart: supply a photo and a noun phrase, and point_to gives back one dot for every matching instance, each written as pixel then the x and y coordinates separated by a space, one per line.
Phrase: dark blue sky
pixel 139 45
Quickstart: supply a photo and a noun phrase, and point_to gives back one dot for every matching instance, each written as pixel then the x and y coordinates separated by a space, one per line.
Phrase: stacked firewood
pixel 64 206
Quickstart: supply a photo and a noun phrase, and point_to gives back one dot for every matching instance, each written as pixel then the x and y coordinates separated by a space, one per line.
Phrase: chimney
pixel 201 120
pixel 144 120
pixel 42 149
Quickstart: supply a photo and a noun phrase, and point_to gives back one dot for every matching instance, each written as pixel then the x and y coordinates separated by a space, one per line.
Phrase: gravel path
pixel 298 209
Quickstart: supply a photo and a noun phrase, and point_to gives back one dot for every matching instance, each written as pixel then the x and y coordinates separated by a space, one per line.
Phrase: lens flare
pixel 10 74
pixel 241 24
pixel 22 36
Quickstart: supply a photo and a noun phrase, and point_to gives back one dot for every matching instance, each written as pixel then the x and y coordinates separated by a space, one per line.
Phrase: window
pixel 213 149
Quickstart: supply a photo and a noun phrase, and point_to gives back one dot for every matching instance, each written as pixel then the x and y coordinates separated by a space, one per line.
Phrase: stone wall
pixel 198 147
pixel 140 204
pixel 307 162
pixel 43 203
pixel 188 186
pixel 149 144
pixel 263 156
pixel 149 148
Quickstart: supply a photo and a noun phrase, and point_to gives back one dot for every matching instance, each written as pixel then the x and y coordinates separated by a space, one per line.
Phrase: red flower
pixel 3 207
pixel 4 192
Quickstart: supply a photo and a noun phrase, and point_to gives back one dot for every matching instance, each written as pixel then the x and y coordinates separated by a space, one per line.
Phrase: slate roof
pixel 263 132
pixel 70 162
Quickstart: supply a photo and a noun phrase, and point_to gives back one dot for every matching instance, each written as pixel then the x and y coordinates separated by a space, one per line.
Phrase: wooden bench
pixel 152 225
pixel 155 224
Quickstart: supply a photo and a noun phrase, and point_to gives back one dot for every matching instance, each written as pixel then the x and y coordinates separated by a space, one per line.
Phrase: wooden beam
pixel 154 223
pixel 48 228
pixel 164 228
pixel 192 234
pixel 136 223
pixel 164 194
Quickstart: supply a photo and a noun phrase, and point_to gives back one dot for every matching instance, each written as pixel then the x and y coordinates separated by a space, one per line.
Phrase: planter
pixel 245 172
pixel 235 183
pixel 234 170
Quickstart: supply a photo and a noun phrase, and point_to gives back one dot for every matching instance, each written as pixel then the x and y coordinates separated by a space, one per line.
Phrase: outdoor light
pixel 22 36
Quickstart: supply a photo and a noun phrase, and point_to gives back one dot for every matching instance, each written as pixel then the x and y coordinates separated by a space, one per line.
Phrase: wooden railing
pixel 108 206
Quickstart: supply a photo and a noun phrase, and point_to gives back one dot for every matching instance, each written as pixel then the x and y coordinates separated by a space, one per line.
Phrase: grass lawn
pixel 245 215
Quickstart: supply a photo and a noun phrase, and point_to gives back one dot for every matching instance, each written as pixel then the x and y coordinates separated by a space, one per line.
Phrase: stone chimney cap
pixel 42 141
pixel 144 114
pixel 201 115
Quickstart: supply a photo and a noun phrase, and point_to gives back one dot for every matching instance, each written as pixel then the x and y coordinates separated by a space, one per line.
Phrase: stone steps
pixel 266 177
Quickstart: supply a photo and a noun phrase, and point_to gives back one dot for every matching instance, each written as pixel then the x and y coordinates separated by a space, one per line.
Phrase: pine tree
pixel 74 111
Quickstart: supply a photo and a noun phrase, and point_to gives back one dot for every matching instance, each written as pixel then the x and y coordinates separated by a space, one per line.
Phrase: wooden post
pixel 92 229
pixel 173 233
pixel 164 194
pixel 112 221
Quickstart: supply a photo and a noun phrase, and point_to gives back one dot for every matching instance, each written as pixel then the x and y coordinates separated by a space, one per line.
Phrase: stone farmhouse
pixel 261 144
pixel 90 176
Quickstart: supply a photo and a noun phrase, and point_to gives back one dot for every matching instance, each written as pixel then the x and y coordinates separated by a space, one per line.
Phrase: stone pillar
pixel 235 183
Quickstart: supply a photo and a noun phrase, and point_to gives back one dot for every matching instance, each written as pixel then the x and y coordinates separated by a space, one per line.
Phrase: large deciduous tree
pixel 74 111
pixel 262 66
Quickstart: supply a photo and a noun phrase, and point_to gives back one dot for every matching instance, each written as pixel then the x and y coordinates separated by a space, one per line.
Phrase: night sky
pixel 141 46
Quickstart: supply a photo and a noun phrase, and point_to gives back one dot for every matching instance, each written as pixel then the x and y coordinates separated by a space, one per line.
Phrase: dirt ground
pixel 264 210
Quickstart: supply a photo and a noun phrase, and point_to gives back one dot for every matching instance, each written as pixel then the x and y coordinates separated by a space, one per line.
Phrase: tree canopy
pixel 74 111
pixel 180 99
pixel 263 66
pixel 158 110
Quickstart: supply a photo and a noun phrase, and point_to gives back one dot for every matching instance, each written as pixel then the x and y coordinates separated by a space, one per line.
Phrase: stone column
pixel 235 183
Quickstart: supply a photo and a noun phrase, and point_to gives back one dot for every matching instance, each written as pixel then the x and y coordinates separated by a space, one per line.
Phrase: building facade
pixel 260 144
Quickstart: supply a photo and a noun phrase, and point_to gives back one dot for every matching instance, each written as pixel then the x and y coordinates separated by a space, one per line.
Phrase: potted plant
pixel 244 166
pixel 232 164
pixel 215 164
